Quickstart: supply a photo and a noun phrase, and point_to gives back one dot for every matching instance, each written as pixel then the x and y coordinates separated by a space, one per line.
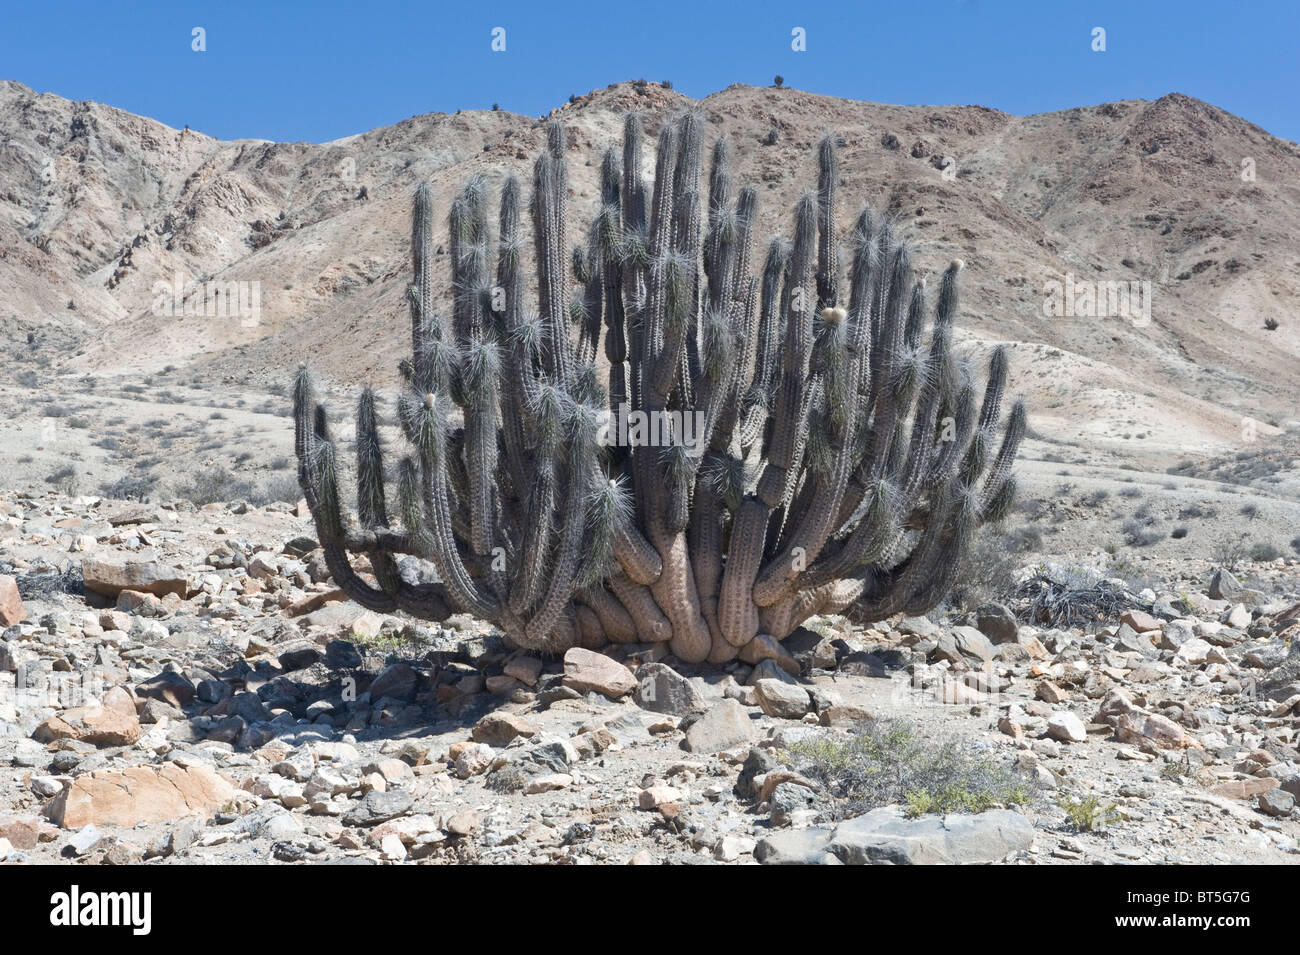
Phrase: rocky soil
pixel 184 685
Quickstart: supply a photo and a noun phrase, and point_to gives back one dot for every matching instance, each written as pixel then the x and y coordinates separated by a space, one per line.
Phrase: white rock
pixel 1067 728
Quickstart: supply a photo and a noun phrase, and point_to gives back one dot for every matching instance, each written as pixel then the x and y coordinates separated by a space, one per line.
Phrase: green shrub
pixel 883 762
pixel 1089 814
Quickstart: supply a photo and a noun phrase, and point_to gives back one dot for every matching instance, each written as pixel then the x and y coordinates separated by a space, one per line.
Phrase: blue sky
pixel 324 69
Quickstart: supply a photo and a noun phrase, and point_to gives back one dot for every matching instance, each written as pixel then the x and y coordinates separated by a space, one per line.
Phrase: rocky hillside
pixel 99 205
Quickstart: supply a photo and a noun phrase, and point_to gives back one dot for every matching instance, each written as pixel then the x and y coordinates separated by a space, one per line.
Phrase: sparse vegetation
pixel 1264 551
pixel 1089 813
pixel 884 762
pixel 65 479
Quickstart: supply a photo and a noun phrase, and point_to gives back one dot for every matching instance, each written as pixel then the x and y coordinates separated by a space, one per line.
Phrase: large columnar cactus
pixel 766 446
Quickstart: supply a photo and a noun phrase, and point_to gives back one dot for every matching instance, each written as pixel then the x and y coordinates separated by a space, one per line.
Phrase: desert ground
pixel 1115 679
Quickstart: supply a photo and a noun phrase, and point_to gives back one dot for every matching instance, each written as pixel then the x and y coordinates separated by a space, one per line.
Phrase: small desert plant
pixel 1264 551
pixel 65 479
pixel 282 488
pixel 1089 813
pixel 1230 553
pixel 1271 324
pixel 1138 534
pixel 213 485
pixel 884 762
pixel 128 488
pixel 778 80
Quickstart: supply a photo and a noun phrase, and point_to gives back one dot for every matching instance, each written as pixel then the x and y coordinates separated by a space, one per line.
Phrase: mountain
pixel 99 206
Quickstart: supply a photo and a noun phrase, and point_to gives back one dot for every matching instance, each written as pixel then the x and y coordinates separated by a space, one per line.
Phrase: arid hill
pixel 97 206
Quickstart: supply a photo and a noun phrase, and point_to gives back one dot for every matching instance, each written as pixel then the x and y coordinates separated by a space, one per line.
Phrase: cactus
pixel 820 450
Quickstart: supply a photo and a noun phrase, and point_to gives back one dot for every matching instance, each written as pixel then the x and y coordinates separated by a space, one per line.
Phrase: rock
pixel 114 723
pixel 45 786
pixel 1237 617
pixel 1277 802
pixel 376 807
pixel 957 693
pixel 24 834
pixel 661 689
pixel 1140 620
pixel 526 669
pixel 397 681
pixel 587 671
pixel 1192 652
pixel 726 724
pixel 656 797
pixel 462 823
pixel 109 577
pixel 1244 789
pixel 796 847
pixel 763 647
pixel 770 670
pixel 1266 657
pixel 1049 692
pixel 548 783
pixel 790 803
pixel 168 687
pixel 300 657
pixel 887 837
pixel 391 848
pixel 731 848
pixel 83 840
pixel 844 714
pixel 1149 730
pixel 918 626
pixel 962 645
pixel 782 700
pixel 1175 634
pixel 127 797
pixel 473 760
pixel 997 623
pixel 1223 586
pixel 1113 705
pixel 1128 640
pixel 1067 728
pixel 498 729
pixel 342 655
pixel 11 603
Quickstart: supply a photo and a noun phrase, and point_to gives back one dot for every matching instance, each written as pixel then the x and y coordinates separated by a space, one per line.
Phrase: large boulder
pixel 108 577
pixel 128 797
pixel 888 837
